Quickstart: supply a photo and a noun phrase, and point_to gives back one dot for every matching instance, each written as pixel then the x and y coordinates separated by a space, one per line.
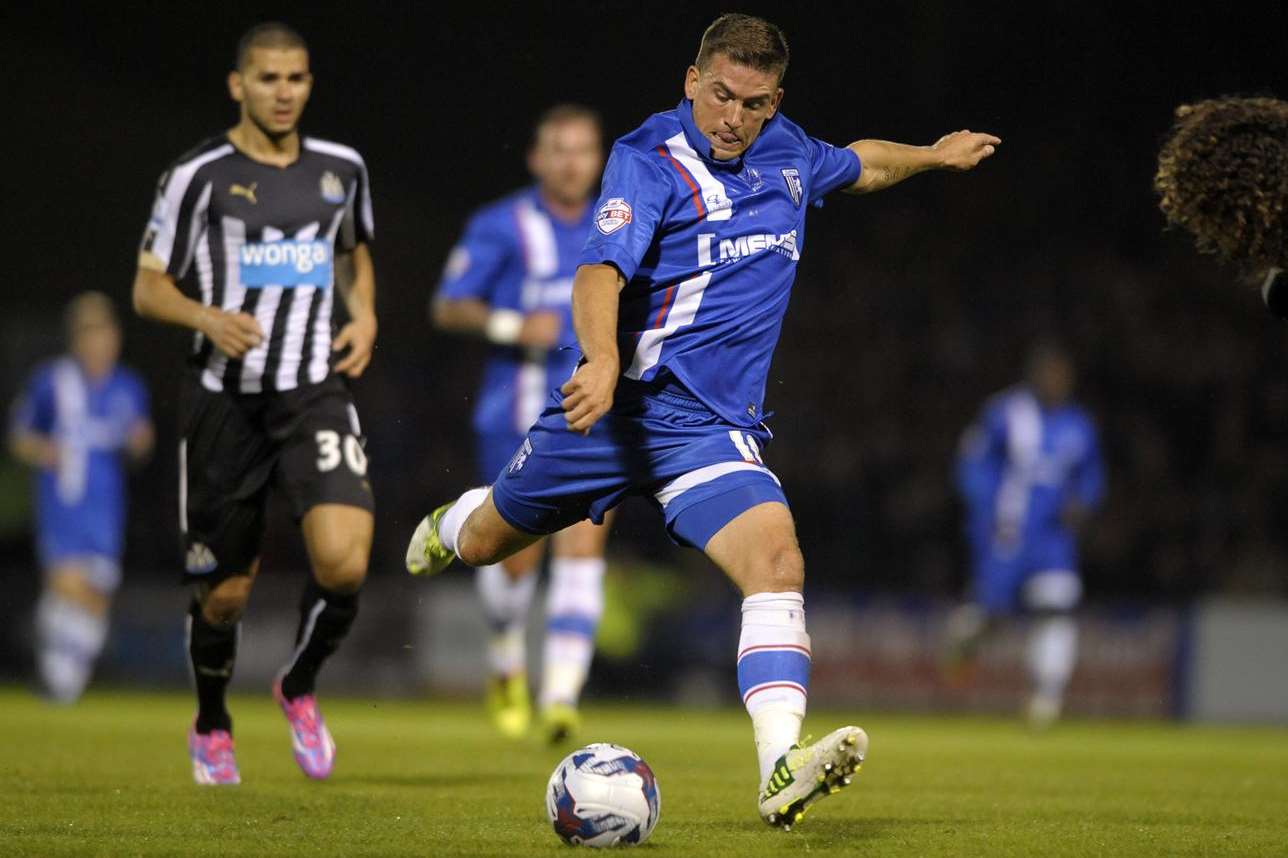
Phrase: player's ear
pixel 235 89
pixel 773 105
pixel 691 82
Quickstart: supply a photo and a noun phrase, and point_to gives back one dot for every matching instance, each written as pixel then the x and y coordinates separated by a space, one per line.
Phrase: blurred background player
pixel 79 417
pixel 509 280
pixel 1029 472
pixel 1223 177
pixel 264 222
pixel 678 301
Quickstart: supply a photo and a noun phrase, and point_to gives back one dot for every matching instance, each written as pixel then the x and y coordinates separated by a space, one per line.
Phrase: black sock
pixel 325 618
pixel 212 650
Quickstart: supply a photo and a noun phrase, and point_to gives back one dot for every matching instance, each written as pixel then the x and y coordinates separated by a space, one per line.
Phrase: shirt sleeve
pixel 359 224
pixel 478 265
pixel 632 198
pixel 178 220
pixel 980 458
pixel 831 168
pixel 33 410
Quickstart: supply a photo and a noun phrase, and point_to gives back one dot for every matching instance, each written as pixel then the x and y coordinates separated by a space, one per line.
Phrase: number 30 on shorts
pixel 329 452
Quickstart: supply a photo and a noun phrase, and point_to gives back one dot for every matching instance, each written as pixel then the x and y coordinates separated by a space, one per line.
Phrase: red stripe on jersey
pixel 666 307
pixel 688 180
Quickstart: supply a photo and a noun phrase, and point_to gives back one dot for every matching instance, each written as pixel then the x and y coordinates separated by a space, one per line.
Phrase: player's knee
pixel 340 563
pixel 223 604
pixel 778 569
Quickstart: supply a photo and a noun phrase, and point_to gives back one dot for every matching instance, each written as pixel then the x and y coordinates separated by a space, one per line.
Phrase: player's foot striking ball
pixel 266 403
pixel 810 772
pixel 1223 177
pixel 677 303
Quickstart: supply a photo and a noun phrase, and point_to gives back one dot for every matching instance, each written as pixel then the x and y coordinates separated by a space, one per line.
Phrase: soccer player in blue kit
pixel 677 303
pixel 1029 472
pixel 509 279
pixel 79 418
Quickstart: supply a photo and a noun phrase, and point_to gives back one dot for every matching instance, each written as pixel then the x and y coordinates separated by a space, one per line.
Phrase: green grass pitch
pixel 110 777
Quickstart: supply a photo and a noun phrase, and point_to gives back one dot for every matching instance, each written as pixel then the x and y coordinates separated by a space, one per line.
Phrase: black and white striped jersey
pixel 243 235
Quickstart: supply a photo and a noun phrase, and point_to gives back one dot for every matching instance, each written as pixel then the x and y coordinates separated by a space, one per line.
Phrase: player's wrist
pixel 503 327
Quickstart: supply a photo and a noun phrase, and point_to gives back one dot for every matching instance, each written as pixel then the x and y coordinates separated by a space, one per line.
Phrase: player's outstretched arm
pixel 355 278
pixel 539 330
pixel 886 164
pixel 589 393
pixel 157 297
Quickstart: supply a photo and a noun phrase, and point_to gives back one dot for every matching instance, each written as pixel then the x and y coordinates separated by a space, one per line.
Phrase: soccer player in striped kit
pixel 509 280
pixel 677 302
pixel 78 419
pixel 264 226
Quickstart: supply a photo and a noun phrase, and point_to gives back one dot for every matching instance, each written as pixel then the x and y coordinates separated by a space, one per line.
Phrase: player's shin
pixel 449 526
pixel 212 650
pixel 1052 651
pixel 773 672
pixel 574 606
pixel 325 619
pixel 70 639
pixel 505 602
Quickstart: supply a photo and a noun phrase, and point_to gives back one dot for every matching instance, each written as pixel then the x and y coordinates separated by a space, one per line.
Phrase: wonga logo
pixel 288 262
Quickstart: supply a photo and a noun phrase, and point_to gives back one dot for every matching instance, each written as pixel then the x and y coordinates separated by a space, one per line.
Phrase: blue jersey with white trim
pixel 80 503
pixel 709 250
pixel 1020 464
pixel 516 255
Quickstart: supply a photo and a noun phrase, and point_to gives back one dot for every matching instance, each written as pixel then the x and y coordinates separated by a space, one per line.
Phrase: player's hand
pixel 359 337
pixel 963 150
pixel 540 330
pixel 589 394
pixel 234 334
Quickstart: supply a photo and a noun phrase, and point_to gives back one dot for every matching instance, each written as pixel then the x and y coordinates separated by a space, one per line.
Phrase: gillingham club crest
pixel 792 177
pixel 613 215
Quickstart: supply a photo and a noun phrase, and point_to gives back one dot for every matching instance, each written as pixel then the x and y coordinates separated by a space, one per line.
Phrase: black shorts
pixel 305 442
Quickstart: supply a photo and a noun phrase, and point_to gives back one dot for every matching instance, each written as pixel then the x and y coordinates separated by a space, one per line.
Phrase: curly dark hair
pixel 1223 177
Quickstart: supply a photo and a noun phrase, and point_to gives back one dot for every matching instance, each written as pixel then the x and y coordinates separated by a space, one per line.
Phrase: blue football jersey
pixel 516 255
pixel 1021 463
pixel 80 504
pixel 709 250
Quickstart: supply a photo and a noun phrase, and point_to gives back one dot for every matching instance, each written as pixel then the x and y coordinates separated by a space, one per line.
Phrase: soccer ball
pixel 602 795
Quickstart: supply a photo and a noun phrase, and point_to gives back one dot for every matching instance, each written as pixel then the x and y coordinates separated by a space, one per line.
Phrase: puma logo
pixel 243 191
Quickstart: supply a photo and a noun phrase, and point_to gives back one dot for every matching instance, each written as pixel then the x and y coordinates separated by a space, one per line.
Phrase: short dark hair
pixel 1223 177
pixel 748 41
pixel 269 34
pixel 567 112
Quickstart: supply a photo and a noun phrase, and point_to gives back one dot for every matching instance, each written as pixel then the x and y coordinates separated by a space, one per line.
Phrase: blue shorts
pixel 657 441
pixel 493 452
pixel 1002 577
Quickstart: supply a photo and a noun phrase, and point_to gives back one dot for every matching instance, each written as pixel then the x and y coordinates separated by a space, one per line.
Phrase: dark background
pixel 911 306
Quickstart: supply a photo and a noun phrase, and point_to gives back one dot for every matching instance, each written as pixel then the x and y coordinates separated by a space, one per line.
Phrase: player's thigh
pixel 338 540
pixel 323 461
pixel 225 463
pixel 758 550
pixel 584 539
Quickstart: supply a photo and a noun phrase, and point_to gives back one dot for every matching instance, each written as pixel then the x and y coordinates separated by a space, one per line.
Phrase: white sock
pixel 773 672
pixel 574 605
pixel 1052 651
pixel 505 606
pixel 449 526
pixel 70 640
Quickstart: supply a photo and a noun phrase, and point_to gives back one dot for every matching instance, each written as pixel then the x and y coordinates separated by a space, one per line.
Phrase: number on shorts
pixel 329 452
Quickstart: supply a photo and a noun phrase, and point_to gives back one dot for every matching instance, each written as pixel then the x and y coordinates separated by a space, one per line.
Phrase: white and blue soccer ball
pixel 603 795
